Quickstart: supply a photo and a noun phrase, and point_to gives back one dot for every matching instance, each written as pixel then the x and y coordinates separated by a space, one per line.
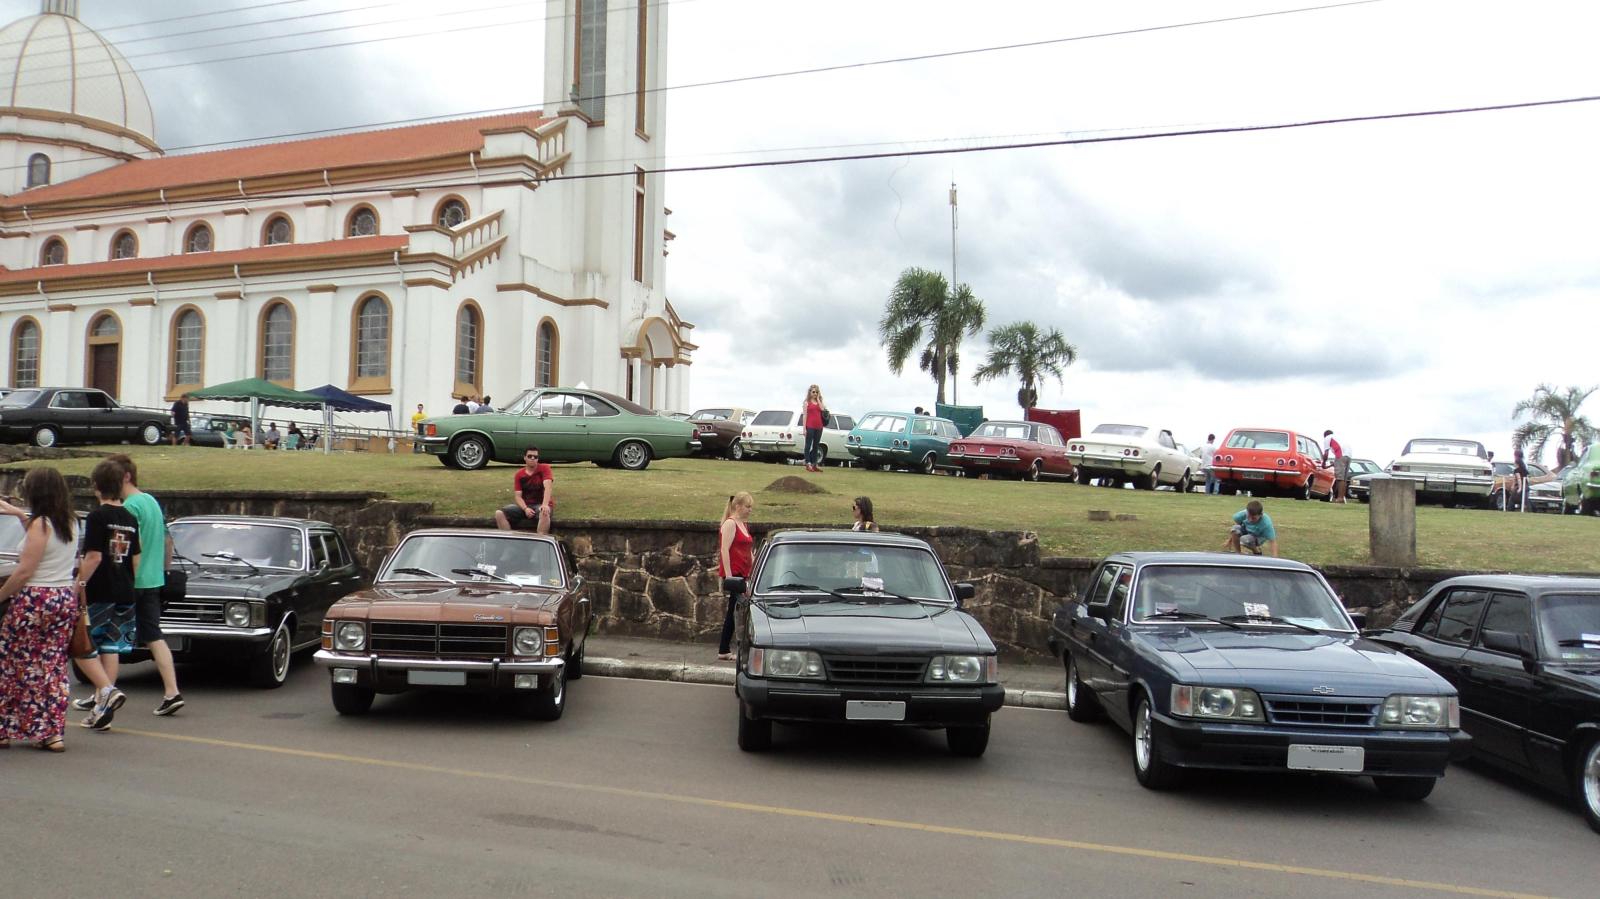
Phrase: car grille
pixel 869 670
pixel 194 611
pixel 1322 712
pixel 444 641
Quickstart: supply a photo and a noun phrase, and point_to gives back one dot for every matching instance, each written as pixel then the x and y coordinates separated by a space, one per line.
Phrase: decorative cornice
pixel 407 192
pixel 550 297
pixel 142 301
pixel 61 307
pixel 159 220
pixel 230 294
pixel 428 282
pixel 320 202
pixel 236 210
pixel 86 227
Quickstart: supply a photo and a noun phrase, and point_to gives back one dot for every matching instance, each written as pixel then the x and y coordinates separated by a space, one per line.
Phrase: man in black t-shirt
pixel 180 421
pixel 105 577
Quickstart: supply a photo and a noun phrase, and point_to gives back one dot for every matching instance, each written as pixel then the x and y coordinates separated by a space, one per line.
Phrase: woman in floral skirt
pixel 38 619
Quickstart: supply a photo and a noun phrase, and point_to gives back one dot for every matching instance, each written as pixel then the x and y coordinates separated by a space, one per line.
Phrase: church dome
pixel 54 64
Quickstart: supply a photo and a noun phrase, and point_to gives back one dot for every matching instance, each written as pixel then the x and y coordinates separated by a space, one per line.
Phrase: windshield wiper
pixel 1271 619
pixel 180 557
pixel 422 571
pixel 479 571
pixel 868 591
pixel 230 557
pixel 1578 641
pixel 1190 616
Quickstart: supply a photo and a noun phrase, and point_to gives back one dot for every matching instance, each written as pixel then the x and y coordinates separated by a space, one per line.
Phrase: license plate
pixel 1255 476
pixel 874 710
pixel 1341 759
pixel 436 678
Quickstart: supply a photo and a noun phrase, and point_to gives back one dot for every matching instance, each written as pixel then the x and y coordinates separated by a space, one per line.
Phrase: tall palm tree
pixel 1022 349
pixel 1551 412
pixel 923 311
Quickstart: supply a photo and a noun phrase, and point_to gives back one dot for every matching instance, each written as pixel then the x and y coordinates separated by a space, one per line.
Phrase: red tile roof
pixel 363 148
pixel 333 249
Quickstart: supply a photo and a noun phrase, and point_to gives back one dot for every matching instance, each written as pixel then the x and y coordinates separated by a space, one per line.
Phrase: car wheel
pixel 929 464
pixel 755 734
pixel 1081 477
pixel 46 436
pixel 349 699
pixel 1150 481
pixel 470 453
pixel 967 742
pixel 150 435
pixel 448 462
pixel 1587 783
pixel 270 669
pixel 549 701
pixel 632 455
pixel 1034 470
pixel 736 450
pixel 575 662
pixel 1081 703
pixel 1303 492
pixel 1411 789
pixel 1186 482
pixel 1149 764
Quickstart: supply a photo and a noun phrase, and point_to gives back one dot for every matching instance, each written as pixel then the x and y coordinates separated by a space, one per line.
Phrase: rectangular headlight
pixel 1216 703
pixel 792 663
pixel 962 669
pixel 1437 712
pixel 350 636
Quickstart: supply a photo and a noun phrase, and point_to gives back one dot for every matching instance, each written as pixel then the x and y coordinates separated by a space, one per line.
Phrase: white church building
pixel 409 265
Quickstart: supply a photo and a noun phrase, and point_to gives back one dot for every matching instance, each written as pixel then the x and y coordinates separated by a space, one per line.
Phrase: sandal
pixel 52 744
pixel 724 656
pixel 5 744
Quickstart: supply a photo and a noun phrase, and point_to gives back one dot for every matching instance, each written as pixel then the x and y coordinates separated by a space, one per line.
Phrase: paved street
pixel 640 790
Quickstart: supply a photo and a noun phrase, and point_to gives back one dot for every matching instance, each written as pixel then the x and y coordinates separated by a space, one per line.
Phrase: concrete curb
pixel 723 675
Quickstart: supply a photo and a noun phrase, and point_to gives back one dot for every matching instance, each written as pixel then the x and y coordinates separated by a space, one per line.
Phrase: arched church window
pixel 124 245
pixel 371 356
pixel 277 342
pixel 451 213
pixel 25 354
pixel 54 252
pixel 469 348
pixel 278 230
pixel 198 240
pixel 363 222
pixel 547 349
pixel 188 349
pixel 38 170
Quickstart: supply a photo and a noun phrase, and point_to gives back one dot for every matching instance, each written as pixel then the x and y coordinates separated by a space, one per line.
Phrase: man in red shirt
pixel 534 492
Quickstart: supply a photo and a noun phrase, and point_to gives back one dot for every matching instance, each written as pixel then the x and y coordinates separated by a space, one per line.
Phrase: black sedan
pixel 49 416
pixel 1524 652
pixel 257 591
pixel 1248 664
pixel 861 628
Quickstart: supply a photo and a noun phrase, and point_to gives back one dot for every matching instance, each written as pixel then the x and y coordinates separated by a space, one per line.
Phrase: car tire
pixel 46 436
pixel 1081 476
pixel 349 699
pixel 632 455
pixel 1586 783
pixel 575 662
pixel 1186 482
pixel 1148 482
pixel 150 434
pixel 755 734
pixel 1409 789
pixel 270 668
pixel 1034 471
pixel 470 453
pixel 929 464
pixel 448 462
pixel 968 742
pixel 1303 492
pixel 1149 750
pixel 548 702
pixel 736 450
pixel 1082 705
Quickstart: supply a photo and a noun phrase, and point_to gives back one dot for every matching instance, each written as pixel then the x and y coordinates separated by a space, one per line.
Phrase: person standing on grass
pixel 181 430
pixel 486 406
pixel 105 580
pixel 149 577
pixel 1519 479
pixel 534 492
pixel 1207 454
pixel 417 417
pixel 1252 530
pixel 41 606
pixel 861 508
pixel 735 554
pixel 1341 466
pixel 814 416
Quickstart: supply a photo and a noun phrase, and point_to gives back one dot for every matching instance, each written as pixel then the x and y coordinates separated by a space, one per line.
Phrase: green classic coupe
pixel 1580 484
pixel 566 424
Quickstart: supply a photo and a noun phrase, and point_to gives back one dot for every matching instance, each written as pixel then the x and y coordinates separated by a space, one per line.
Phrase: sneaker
pixel 115 699
pixel 100 718
pixel 86 704
pixel 169 705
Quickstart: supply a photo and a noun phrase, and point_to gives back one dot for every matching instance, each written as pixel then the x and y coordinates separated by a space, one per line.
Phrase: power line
pixel 901 154
pixel 198 15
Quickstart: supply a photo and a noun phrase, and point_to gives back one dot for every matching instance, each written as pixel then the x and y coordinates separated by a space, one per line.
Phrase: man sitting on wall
pixel 534 495
pixel 1252 530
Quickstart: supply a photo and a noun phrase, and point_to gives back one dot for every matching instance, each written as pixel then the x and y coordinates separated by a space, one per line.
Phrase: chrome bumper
pixel 1434 482
pixel 1121 463
pixel 196 631
pixel 373 664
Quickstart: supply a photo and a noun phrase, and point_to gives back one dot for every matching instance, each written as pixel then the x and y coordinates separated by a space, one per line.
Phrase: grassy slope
pixel 697 490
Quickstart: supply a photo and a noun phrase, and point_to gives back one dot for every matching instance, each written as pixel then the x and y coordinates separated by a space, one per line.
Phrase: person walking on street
pixel 41 606
pixel 181 429
pixel 734 558
pixel 105 580
pixel 1208 453
pixel 533 489
pixel 861 508
pixel 1252 530
pixel 149 577
pixel 814 415
pixel 1341 466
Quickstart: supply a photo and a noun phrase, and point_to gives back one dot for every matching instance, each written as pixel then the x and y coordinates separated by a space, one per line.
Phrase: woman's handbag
pixel 81 646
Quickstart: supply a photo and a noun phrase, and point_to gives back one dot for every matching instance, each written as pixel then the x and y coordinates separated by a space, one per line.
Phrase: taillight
pixel 432 430
pixel 1294 463
pixel 1230 460
pixel 1280 463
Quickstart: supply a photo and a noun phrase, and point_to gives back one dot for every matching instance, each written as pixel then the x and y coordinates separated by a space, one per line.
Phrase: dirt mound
pixel 792 484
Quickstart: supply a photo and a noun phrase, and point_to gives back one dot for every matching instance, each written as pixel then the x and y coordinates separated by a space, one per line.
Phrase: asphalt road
pixel 640 791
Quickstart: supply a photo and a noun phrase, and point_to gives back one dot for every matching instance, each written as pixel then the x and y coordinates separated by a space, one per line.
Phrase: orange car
pixel 1267 461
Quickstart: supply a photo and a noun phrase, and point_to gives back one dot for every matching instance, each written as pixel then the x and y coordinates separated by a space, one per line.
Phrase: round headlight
pixel 963 669
pixel 528 641
pixel 350 636
pixel 1217 703
pixel 237 614
pixel 1424 710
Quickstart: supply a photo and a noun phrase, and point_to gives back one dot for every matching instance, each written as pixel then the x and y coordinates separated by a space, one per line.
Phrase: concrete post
pixel 1393 522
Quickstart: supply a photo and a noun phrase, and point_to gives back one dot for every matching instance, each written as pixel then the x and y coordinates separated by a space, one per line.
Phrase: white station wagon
pixel 1133 454
pixel 778 434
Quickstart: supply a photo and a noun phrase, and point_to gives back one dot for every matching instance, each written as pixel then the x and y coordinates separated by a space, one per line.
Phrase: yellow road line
pixel 889 823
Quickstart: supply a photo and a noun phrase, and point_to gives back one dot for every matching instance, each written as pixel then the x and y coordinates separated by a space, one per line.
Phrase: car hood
pixel 1583 676
pixel 458 602
pixel 236 583
pixel 1293 662
pixel 887 629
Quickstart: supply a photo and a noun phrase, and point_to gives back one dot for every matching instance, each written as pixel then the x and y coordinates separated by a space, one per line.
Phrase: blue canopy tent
pixel 342 401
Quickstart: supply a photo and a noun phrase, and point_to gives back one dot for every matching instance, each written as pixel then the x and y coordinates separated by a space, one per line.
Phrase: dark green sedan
pixel 566 424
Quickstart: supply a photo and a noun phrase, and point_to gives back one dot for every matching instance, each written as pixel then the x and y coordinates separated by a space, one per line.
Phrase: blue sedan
pixel 1249 664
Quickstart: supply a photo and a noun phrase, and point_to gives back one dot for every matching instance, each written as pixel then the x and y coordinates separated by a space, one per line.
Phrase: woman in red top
pixel 814 415
pixel 734 557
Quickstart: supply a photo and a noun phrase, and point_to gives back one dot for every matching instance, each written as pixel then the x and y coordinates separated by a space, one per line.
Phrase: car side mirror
pixel 1359 619
pixel 733 585
pixel 964 592
pixel 577 583
pixel 1504 641
pixel 545 414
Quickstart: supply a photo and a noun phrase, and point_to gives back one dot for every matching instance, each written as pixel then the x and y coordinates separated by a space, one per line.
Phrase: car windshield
pixel 1230 592
pixel 523 561
pixel 19 399
pixel 773 417
pixel 1122 430
pixel 1261 440
pixel 1571 626
pixel 521 403
pixel 1009 430
pixel 1446 447
pixel 906 570
pixel 218 542
pixel 711 415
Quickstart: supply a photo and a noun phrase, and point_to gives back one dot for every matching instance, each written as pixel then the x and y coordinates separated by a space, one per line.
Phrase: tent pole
pixel 327 429
pixel 255 419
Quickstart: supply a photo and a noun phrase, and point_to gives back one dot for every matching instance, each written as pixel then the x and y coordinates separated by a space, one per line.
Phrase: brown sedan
pixel 717 431
pixel 464 610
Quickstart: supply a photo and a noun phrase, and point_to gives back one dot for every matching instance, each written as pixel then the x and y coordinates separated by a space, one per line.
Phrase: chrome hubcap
pixel 152 435
pixel 1591 779
pixel 632 455
pixel 280 654
pixel 1141 737
pixel 469 453
pixel 46 437
pixel 1072 682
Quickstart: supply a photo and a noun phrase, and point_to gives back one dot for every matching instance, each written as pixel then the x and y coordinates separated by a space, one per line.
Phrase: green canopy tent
pixel 258 392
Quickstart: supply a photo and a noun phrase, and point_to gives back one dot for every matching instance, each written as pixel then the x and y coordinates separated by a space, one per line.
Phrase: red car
pixel 1266 461
pixel 1023 449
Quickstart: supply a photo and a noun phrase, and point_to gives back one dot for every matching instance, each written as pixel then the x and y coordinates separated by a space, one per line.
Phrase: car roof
pixel 1527 583
pixel 477 532
pixel 904 414
pixel 818 535
pixel 1231 560
pixel 254 519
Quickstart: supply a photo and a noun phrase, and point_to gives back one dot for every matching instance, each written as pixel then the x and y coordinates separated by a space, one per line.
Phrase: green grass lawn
pixel 696 489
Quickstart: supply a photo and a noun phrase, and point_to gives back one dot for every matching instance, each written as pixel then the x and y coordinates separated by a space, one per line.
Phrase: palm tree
pixel 923 311
pixel 1022 349
pixel 1551 412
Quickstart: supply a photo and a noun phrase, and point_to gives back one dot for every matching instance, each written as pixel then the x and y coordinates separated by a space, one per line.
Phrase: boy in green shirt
pixel 149 578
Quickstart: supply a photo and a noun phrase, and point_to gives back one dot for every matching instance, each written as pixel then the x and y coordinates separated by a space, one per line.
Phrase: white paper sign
pixel 1257 610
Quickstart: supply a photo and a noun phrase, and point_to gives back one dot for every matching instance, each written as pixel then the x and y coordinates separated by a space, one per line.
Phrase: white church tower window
pixel 38 170
pixel 590 77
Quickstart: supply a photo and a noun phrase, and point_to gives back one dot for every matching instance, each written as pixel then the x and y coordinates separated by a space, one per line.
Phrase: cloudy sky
pixel 1386 280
